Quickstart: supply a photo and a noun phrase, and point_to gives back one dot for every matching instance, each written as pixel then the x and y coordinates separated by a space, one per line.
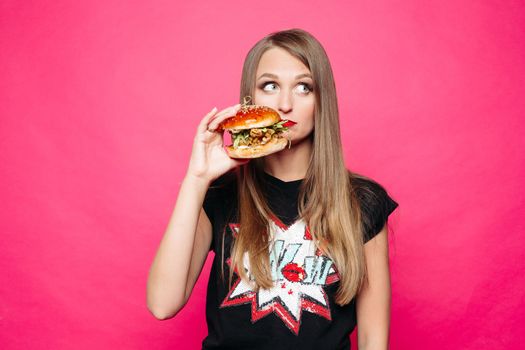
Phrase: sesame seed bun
pixel 249 117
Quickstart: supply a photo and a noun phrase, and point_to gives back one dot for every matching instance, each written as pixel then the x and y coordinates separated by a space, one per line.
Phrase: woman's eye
pixel 307 87
pixel 264 85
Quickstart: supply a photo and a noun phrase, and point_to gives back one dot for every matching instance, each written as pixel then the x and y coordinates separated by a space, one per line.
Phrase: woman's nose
pixel 285 102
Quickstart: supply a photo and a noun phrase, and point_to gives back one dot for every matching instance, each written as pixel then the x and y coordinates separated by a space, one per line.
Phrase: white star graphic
pixel 299 274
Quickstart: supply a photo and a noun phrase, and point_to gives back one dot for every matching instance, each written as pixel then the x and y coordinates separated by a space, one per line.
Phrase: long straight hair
pixel 335 220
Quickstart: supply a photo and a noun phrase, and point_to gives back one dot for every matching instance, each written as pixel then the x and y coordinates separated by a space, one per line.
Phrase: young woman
pixel 300 242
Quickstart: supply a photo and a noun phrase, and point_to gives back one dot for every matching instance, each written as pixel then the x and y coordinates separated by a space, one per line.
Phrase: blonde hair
pixel 334 220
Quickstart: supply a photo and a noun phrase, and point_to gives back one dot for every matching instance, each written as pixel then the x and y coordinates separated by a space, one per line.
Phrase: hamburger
pixel 256 131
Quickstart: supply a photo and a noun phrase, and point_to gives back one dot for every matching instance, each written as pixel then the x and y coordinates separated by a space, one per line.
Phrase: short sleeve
pixel 376 206
pixel 209 206
pixel 215 200
pixel 210 200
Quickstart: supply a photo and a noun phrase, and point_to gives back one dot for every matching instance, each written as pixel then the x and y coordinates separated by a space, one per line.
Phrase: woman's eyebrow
pixel 273 76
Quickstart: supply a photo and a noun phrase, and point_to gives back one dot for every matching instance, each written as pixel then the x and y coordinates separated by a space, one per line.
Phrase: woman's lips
pixel 289 123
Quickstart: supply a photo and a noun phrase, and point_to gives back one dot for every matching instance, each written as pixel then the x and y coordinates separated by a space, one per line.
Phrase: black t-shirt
pixel 299 312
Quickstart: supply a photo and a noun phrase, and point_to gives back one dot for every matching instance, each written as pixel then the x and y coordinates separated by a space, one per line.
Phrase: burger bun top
pixel 249 117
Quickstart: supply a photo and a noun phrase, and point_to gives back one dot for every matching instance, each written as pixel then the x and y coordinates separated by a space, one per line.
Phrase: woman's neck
pixel 291 163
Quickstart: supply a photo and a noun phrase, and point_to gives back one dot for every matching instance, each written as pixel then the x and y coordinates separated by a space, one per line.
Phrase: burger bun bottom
pixel 275 145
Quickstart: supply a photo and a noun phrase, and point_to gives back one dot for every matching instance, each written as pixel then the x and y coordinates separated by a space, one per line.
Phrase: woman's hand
pixel 209 159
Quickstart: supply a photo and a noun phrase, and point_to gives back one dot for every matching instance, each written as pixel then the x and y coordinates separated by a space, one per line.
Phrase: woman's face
pixel 285 84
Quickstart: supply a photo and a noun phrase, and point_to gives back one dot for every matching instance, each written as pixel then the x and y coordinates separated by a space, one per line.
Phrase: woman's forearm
pixel 168 274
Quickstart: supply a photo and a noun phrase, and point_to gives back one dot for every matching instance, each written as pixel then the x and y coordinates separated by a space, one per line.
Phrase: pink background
pixel 99 101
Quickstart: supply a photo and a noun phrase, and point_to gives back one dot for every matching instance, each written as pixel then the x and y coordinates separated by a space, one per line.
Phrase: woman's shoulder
pixel 220 194
pixel 375 202
pixel 226 178
pixel 224 181
pixel 367 188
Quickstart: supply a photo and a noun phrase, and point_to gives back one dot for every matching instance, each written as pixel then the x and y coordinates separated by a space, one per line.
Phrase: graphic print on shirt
pixel 299 272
